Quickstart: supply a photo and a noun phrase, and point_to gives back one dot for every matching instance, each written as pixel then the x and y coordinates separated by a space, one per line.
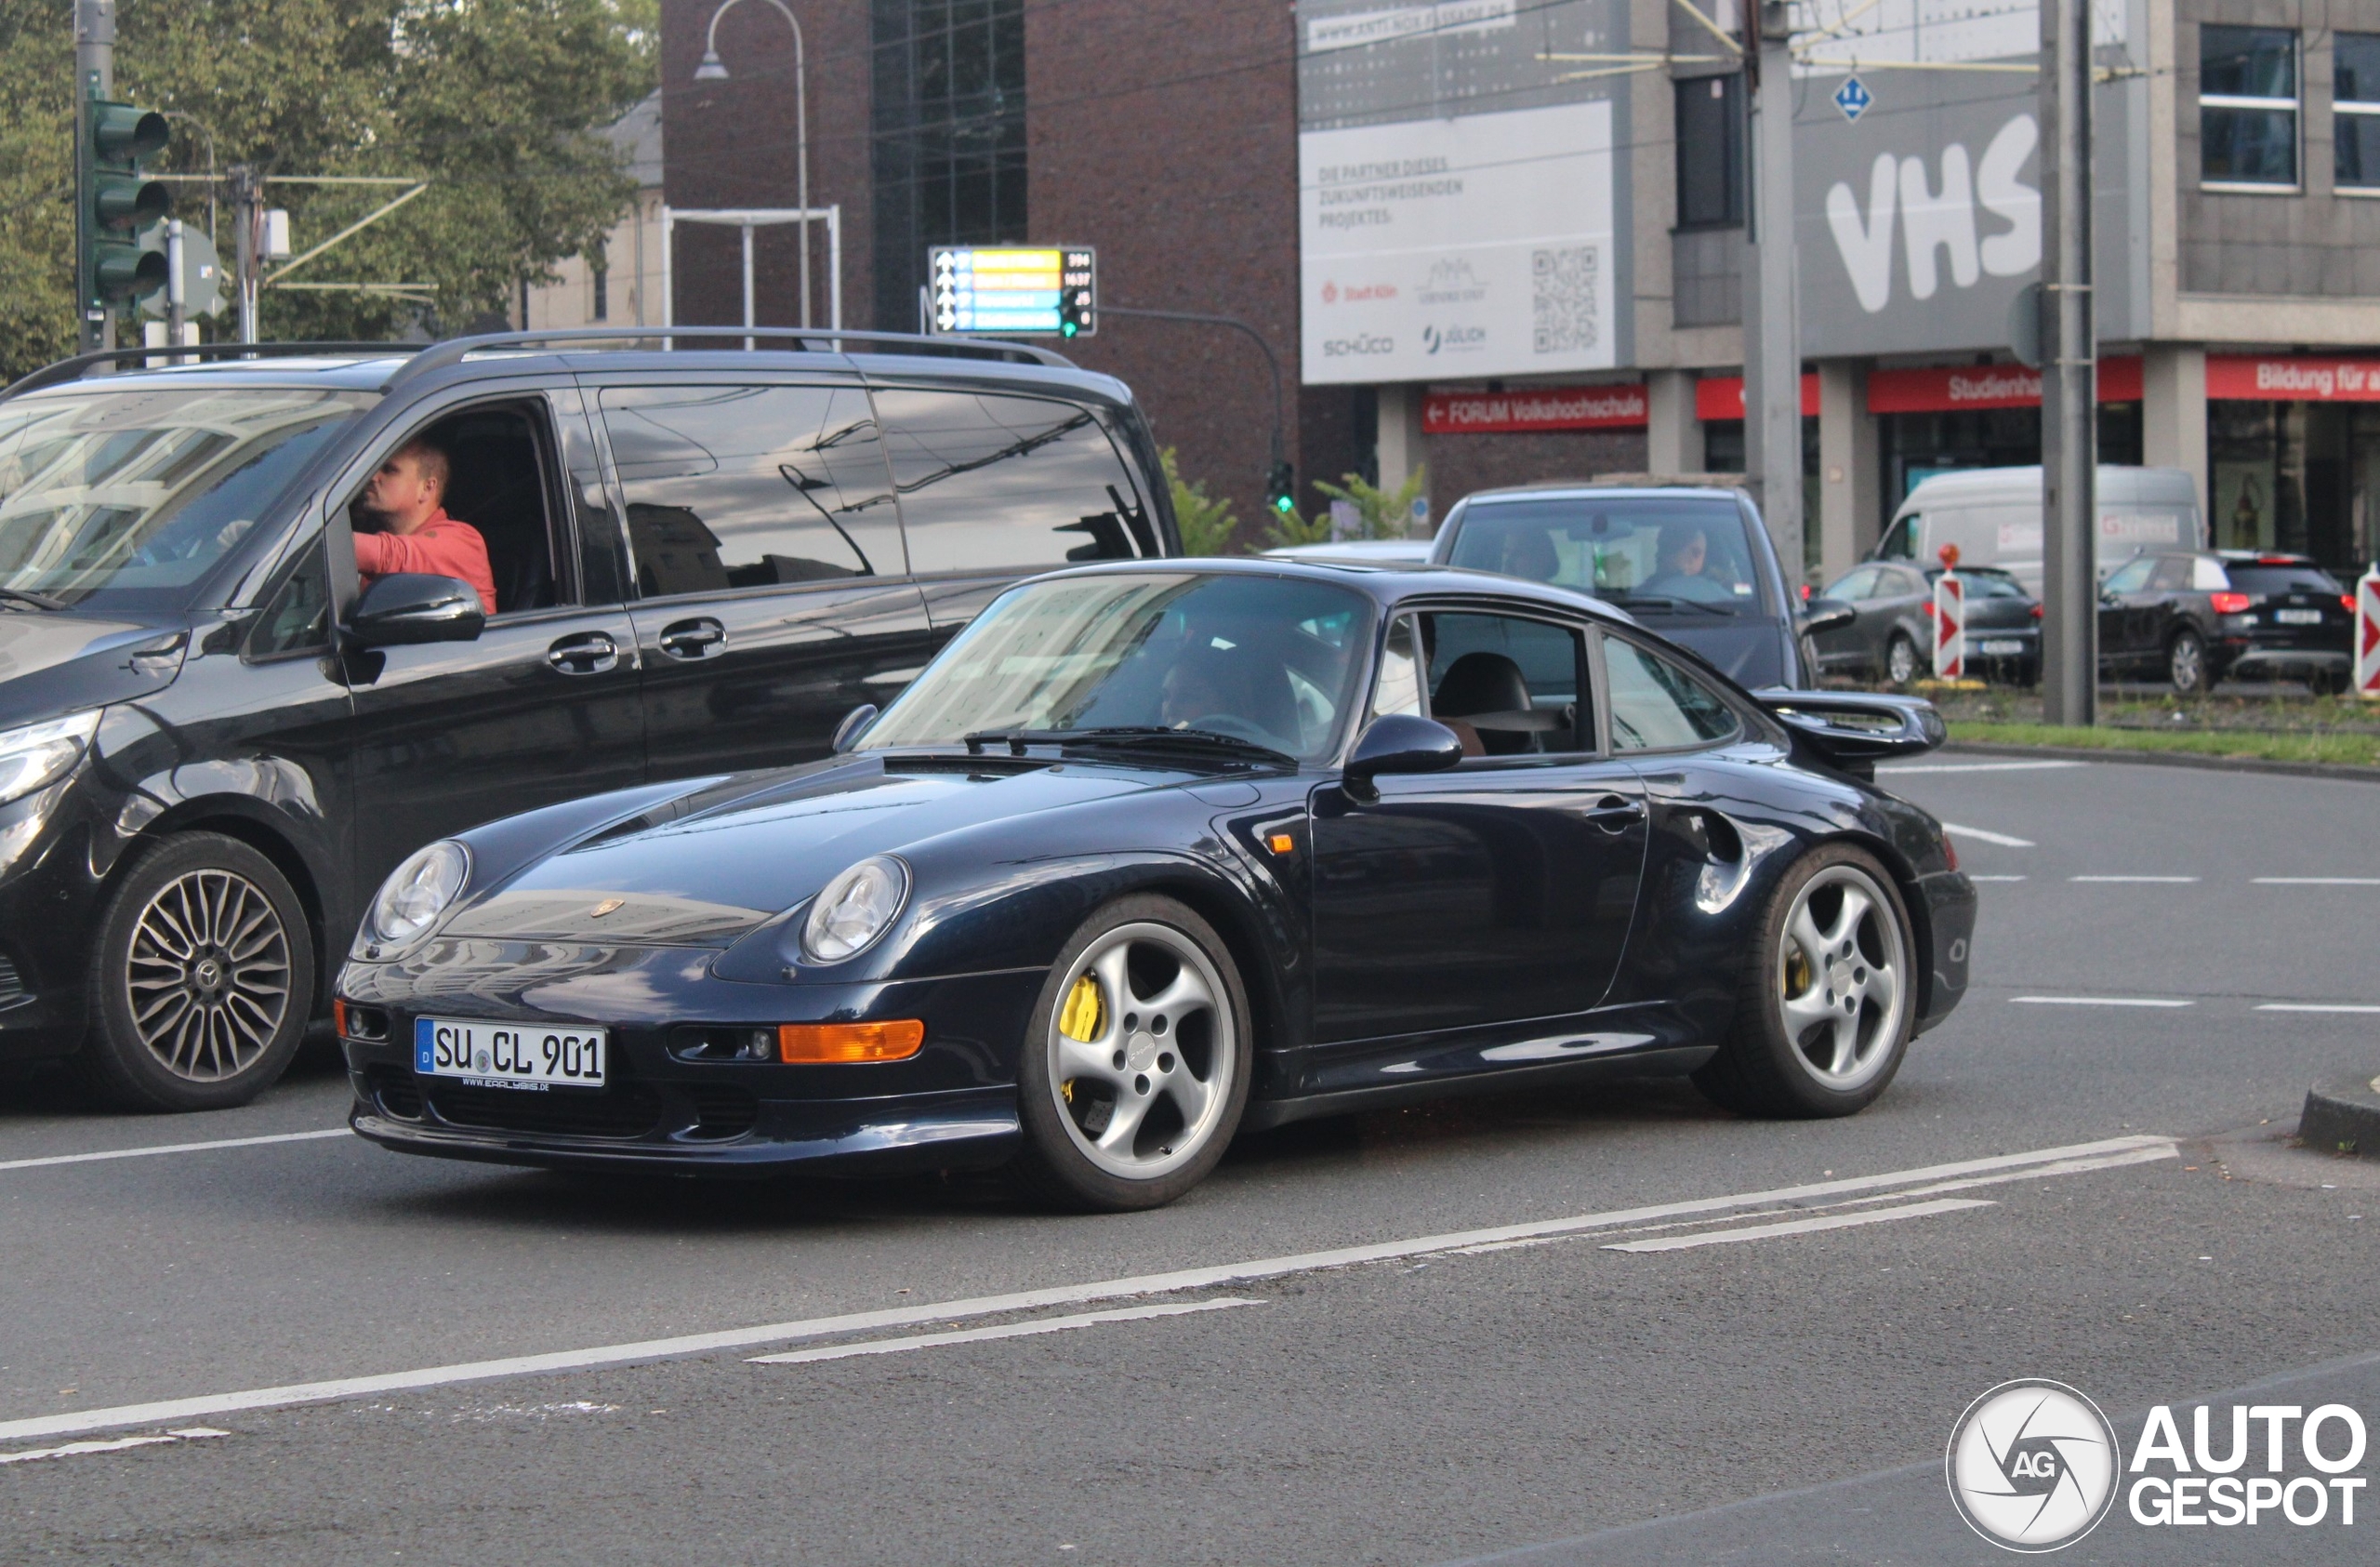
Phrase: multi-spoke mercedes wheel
pixel 1823 1017
pixel 205 981
pixel 1135 1069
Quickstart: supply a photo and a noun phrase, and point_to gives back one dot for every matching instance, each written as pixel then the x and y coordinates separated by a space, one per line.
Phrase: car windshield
pixel 2270 579
pixel 123 499
pixel 1266 660
pixel 1661 554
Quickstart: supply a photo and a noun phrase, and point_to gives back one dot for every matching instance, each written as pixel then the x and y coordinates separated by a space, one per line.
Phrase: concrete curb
pixel 2342 1116
pixel 2339 770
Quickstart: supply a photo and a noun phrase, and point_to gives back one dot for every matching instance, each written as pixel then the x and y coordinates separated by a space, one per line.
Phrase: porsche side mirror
pixel 1399 742
pixel 406 607
pixel 1821 615
pixel 854 726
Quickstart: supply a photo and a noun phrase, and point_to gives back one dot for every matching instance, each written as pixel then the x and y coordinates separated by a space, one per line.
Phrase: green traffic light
pixel 1282 504
pixel 1069 330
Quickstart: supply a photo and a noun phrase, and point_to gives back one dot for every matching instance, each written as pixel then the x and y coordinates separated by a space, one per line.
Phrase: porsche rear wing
pixel 1854 730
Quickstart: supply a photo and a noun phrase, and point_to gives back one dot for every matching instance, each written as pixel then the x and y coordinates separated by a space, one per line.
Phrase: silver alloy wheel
pixel 208 975
pixel 2186 663
pixel 1900 660
pixel 1141 1070
pixel 1842 977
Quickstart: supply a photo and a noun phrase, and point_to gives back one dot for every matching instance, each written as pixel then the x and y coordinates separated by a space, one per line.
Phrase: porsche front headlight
pixel 39 754
pixel 854 908
pixel 416 893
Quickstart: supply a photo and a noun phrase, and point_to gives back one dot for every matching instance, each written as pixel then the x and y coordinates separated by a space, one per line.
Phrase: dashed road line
pixel 1006 1329
pixel 1802 1227
pixel 2318 880
pixel 1982 837
pixel 2037 1161
pixel 2316 1006
pixel 174 1147
pixel 1976 767
pixel 2156 881
pixel 2100 1001
pixel 1972 877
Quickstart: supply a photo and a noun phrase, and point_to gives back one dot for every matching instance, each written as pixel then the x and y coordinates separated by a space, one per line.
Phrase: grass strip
pixel 2355 750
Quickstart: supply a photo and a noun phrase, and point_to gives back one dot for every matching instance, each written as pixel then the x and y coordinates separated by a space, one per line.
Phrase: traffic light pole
pixel 1772 328
pixel 93 78
pixel 245 196
pixel 2069 372
pixel 1280 453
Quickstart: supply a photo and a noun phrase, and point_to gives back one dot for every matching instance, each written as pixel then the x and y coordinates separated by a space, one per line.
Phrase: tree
pixel 497 103
pixel 1382 515
pixel 1206 521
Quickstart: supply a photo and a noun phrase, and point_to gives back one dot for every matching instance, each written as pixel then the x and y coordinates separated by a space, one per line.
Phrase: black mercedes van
pixel 214 745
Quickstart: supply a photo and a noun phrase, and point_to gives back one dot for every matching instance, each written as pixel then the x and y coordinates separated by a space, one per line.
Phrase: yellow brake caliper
pixel 1082 1020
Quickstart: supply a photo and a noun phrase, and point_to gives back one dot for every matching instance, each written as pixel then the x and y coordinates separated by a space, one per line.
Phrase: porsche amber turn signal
pixel 828 1043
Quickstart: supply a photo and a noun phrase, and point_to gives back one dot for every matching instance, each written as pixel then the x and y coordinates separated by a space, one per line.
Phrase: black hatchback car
pixel 1892 625
pixel 2196 618
pixel 215 742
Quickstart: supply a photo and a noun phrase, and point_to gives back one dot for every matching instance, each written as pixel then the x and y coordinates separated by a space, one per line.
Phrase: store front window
pixel 2294 476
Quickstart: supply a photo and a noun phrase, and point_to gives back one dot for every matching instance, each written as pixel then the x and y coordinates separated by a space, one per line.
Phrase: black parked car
pixel 1151 854
pixel 2196 618
pixel 1692 562
pixel 213 746
pixel 1891 624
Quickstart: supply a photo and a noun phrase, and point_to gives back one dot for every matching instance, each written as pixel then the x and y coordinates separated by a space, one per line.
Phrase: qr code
pixel 1566 315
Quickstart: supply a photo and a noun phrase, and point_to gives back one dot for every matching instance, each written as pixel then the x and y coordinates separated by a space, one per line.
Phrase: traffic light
pixel 115 201
pixel 1282 489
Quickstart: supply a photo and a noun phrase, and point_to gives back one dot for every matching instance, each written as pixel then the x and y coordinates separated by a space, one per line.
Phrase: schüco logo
pixel 1369 343
pixel 1453 339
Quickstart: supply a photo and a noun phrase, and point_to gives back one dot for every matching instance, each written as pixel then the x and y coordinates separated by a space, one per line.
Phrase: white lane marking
pixel 1006 1329
pixel 1981 836
pixel 2098 1000
pixel 1205 1278
pixel 175 1148
pixel 1975 878
pixel 2318 880
pixel 2160 880
pixel 2316 1006
pixel 1976 767
pixel 121 1444
pixel 1802 1227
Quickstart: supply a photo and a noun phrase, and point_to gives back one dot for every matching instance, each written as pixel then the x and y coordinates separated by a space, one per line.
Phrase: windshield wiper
pixel 1122 736
pixel 39 601
pixel 1664 600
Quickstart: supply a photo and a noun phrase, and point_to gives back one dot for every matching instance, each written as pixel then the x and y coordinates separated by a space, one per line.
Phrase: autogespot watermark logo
pixel 2032 1465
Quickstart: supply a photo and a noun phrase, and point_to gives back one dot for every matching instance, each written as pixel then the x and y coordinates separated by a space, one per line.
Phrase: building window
pixel 2355 93
pixel 1711 153
pixel 599 274
pixel 949 137
pixel 2247 106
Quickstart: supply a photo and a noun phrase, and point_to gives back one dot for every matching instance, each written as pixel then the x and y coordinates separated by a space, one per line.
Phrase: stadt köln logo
pixel 2033 1466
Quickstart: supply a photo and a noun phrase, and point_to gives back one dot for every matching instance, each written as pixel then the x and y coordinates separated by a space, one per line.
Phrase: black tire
pixel 2327 683
pixel 1763 1069
pixel 1061 1164
pixel 212 1026
pixel 1900 651
pixel 2186 665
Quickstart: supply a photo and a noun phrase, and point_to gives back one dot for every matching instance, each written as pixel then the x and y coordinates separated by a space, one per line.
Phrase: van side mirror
pixel 854 726
pixel 1821 615
pixel 1399 742
pixel 407 607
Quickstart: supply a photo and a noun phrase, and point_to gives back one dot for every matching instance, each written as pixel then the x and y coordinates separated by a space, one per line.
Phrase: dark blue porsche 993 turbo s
pixel 1156 853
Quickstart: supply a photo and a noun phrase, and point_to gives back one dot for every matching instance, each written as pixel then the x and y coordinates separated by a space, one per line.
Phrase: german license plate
pixel 2299 617
pixel 508 1055
pixel 2001 645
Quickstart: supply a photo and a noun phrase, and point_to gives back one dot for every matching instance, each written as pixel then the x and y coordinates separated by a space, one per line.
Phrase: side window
pixel 1859 585
pixel 994 483
pixel 1901 542
pixel 1507 684
pixel 1400 671
pixel 2133 576
pixel 1901 584
pixel 2172 572
pixel 1658 705
pixel 297 619
pixel 751 486
pixel 2207 575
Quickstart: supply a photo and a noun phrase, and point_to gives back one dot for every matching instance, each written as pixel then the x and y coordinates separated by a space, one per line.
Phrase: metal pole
pixel 746 231
pixel 2070 401
pixel 177 300
pixel 669 299
pixel 1280 427
pixel 834 268
pixel 94 77
pixel 245 196
pixel 801 157
pixel 1772 323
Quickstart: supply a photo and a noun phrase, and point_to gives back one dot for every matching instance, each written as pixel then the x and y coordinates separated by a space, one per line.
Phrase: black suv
pixel 2197 619
pixel 213 746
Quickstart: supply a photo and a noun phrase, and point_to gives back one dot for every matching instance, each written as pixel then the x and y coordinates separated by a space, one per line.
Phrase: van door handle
pixel 690 640
pixel 1616 815
pixel 588 653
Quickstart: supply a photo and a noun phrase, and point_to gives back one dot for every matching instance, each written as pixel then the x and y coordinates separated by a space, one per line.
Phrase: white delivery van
pixel 1994 516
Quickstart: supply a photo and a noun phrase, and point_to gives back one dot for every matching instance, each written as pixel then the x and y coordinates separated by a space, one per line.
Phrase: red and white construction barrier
pixel 1950 627
pixel 2367 635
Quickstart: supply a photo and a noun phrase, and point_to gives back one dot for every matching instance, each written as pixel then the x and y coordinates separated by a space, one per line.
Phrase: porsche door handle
pixel 691 640
pixel 1615 815
pixel 590 653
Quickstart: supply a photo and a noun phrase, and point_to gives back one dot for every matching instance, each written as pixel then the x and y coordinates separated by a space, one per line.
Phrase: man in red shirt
pixel 405 499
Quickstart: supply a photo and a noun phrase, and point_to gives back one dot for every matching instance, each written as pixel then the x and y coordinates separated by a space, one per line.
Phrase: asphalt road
pixel 1412 1342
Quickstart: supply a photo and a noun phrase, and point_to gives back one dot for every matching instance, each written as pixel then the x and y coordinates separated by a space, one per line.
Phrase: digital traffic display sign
pixel 1013 291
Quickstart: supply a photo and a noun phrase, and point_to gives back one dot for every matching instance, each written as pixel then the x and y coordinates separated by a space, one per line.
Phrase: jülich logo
pixel 1454 340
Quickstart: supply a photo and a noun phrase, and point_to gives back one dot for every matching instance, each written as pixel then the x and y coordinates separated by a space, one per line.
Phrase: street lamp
pixel 713 68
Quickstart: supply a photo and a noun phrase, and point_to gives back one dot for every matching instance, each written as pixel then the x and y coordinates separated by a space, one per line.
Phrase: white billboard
pixel 1453 248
